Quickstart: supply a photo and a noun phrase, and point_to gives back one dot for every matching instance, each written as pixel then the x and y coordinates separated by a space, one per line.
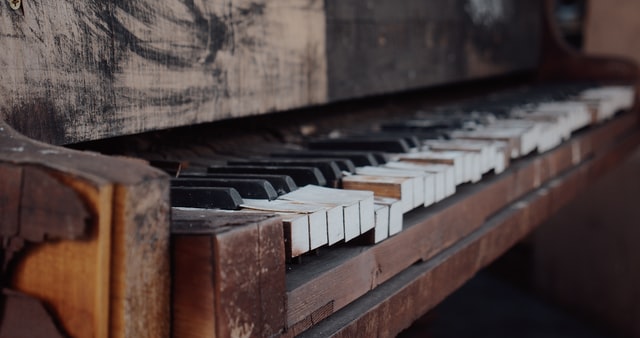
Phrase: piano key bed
pixel 381 210
pixel 418 162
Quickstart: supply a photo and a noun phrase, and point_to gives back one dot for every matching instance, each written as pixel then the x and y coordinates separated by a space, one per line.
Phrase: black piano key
pixel 248 188
pixel 206 197
pixel 419 125
pixel 328 168
pixel 282 183
pixel 358 158
pixel 301 175
pixel 410 139
pixel 390 145
pixel 344 164
pixel 426 126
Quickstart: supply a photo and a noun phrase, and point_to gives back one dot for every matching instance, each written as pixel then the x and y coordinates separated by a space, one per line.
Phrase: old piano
pixel 220 168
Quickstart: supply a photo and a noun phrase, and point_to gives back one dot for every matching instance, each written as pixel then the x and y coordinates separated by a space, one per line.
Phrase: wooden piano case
pixel 86 237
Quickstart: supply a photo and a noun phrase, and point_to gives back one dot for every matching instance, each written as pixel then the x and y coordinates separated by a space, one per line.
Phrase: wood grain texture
pixel 140 276
pixel 98 69
pixel 114 282
pixel 393 306
pixel 193 309
pixel 105 68
pixel 381 46
pixel 427 232
pixel 231 281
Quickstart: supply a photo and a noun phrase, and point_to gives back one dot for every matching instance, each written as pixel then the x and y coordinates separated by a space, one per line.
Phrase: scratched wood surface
pixel 228 274
pixel 110 280
pixel 91 70
pixel 380 46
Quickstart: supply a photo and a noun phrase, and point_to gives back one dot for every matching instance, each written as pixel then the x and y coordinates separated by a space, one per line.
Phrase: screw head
pixel 15 4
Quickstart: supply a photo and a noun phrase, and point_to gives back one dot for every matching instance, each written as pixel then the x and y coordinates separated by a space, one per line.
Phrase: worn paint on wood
pixel 104 68
pixel 114 280
pixel 98 69
pixel 384 46
pixel 237 261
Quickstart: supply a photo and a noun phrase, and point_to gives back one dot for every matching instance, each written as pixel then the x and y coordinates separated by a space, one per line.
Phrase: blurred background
pixel 578 275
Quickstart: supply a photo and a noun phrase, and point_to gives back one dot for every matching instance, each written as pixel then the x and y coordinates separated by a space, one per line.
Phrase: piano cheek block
pixel 219 269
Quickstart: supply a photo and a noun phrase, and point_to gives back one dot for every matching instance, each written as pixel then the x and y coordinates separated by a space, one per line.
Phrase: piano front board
pixel 90 70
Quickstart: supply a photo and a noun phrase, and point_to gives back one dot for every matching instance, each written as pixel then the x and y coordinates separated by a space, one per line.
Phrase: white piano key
pixel 476 167
pixel 529 132
pixel 381 230
pixel 468 163
pixel 335 220
pixel 418 178
pixel 438 185
pixel 395 213
pixel 579 113
pixel 385 186
pixel 298 227
pixel 610 99
pixel 453 159
pixel 511 137
pixel 318 220
pixel 561 120
pixel 429 189
pixel 357 206
pixel 367 212
pixel 445 177
pixel 481 148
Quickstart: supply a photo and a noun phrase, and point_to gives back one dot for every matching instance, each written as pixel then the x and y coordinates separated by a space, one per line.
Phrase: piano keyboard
pixel 356 183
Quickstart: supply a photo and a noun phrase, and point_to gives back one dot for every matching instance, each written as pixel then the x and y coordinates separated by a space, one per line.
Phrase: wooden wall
pixel 83 70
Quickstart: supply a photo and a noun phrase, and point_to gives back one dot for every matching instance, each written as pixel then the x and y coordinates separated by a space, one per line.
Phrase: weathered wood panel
pixel 114 282
pixel 228 274
pixel 82 71
pixel 90 70
pixel 383 46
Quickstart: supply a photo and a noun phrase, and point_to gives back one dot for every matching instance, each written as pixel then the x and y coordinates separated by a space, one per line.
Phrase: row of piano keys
pixel 358 182
pixel 229 273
